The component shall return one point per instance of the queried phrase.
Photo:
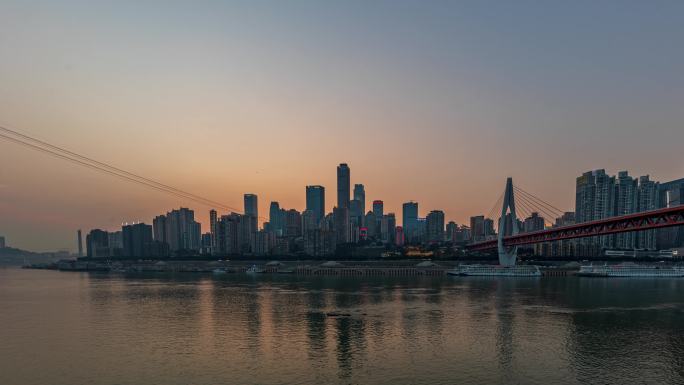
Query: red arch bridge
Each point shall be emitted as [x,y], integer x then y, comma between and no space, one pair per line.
[646,220]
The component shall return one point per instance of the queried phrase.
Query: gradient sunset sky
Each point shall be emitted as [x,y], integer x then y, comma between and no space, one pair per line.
[432,101]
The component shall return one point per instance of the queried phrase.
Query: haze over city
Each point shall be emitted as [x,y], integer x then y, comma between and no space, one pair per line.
[436,103]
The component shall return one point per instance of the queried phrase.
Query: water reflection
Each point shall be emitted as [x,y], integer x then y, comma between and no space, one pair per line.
[177,329]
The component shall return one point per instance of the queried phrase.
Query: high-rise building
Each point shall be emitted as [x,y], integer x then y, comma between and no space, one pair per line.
[234,234]
[477,231]
[647,199]
[115,243]
[251,205]
[252,210]
[159,228]
[594,200]
[451,231]
[410,221]
[671,194]
[360,195]
[136,240]
[341,225]
[315,202]
[378,208]
[275,218]
[371,225]
[97,244]
[435,226]
[625,198]
[80,243]
[293,223]
[533,223]
[213,220]
[343,185]
[182,232]
[356,213]
[388,225]
[399,236]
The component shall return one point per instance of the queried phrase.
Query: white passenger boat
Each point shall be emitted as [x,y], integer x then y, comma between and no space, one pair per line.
[628,270]
[496,271]
[254,270]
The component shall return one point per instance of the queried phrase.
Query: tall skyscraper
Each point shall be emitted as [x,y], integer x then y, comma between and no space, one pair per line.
[388,224]
[275,218]
[533,223]
[182,232]
[594,200]
[136,239]
[252,210]
[378,208]
[315,202]
[410,220]
[97,244]
[341,225]
[671,194]
[213,220]
[360,195]
[625,203]
[647,199]
[477,228]
[159,229]
[343,185]
[435,226]
[80,243]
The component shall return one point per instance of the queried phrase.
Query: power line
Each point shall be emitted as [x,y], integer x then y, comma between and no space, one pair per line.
[109,166]
[58,152]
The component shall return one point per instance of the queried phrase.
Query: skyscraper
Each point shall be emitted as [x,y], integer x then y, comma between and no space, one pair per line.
[275,218]
[252,210]
[343,185]
[533,223]
[594,200]
[477,232]
[80,243]
[410,220]
[97,243]
[435,226]
[360,195]
[671,194]
[315,202]
[647,199]
[182,232]
[213,219]
[378,208]
[625,203]
[159,229]
[341,224]
[136,239]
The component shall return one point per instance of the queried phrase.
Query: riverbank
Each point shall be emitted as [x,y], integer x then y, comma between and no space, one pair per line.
[307,267]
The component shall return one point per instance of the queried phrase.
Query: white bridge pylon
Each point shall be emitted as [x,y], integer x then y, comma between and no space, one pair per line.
[507,256]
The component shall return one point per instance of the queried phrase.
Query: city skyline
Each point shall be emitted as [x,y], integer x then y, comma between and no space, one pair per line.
[435,103]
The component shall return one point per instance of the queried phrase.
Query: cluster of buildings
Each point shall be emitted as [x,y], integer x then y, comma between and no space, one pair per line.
[600,196]
[2,242]
[349,226]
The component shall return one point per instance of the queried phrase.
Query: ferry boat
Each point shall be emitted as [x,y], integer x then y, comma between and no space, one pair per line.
[497,271]
[628,270]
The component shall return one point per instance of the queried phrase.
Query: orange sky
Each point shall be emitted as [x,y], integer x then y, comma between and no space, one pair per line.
[436,103]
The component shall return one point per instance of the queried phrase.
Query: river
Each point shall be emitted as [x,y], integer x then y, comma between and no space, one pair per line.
[91,328]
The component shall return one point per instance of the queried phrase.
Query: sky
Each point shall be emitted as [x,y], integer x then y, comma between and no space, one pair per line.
[432,101]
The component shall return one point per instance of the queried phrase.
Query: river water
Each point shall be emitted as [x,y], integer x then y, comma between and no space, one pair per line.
[88,328]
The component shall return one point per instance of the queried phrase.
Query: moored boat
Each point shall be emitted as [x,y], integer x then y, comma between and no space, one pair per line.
[628,270]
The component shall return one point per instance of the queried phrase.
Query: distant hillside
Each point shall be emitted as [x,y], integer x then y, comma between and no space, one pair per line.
[10,256]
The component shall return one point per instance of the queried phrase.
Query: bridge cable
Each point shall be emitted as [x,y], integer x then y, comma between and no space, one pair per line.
[70,156]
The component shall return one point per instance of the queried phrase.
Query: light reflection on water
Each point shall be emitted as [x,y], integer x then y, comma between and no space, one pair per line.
[69,328]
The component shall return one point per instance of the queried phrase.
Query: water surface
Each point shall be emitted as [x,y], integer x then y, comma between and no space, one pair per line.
[86,328]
